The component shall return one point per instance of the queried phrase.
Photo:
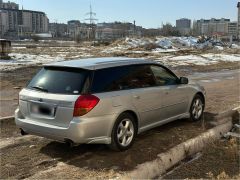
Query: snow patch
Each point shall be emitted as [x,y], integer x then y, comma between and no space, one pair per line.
[19,60]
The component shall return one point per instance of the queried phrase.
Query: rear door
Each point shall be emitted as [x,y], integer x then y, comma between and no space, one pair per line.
[50,96]
[135,85]
[145,95]
[173,95]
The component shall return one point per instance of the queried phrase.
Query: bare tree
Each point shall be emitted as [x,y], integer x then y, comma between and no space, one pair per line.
[169,30]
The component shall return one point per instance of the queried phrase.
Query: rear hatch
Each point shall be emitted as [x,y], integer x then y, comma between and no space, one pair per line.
[50,96]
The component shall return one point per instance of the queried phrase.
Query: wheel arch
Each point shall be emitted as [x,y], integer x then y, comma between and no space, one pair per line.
[202,95]
[134,114]
[193,96]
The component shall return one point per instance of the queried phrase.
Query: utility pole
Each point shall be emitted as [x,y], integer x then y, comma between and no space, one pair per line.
[134,28]
[55,28]
[92,25]
[20,27]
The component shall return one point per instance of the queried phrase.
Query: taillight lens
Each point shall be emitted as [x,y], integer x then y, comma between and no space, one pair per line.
[85,104]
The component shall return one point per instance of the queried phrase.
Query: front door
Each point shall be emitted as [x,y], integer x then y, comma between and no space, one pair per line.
[173,96]
[145,95]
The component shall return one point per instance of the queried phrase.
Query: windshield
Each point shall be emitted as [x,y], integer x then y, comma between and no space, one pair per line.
[59,80]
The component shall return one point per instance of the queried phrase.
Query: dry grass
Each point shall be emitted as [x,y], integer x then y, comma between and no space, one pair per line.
[219,160]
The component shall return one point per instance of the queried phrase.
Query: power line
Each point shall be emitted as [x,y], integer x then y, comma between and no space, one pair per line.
[92,19]
[91,15]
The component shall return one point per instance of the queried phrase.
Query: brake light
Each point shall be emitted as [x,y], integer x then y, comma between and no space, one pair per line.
[84,104]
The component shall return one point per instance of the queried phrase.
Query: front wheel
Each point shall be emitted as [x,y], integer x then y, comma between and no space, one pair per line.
[197,107]
[124,132]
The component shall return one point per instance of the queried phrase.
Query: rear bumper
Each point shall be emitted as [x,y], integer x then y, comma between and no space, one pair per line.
[95,130]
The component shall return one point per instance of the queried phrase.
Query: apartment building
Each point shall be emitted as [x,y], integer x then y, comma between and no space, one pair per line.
[73,28]
[238,6]
[32,22]
[116,30]
[22,22]
[3,23]
[183,25]
[233,29]
[8,5]
[58,30]
[212,26]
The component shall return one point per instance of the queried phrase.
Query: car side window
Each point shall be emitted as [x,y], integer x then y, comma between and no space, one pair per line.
[141,76]
[163,76]
[122,78]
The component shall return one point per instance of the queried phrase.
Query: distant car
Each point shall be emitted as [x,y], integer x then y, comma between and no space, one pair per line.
[105,100]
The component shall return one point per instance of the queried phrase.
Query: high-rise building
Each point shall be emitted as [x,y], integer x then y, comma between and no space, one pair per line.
[3,22]
[8,5]
[233,29]
[212,26]
[238,6]
[73,28]
[22,22]
[33,21]
[183,26]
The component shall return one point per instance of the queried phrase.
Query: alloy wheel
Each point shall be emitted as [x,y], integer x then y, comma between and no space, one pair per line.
[197,108]
[125,132]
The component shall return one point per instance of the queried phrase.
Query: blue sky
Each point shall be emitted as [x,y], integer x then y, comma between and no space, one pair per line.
[148,13]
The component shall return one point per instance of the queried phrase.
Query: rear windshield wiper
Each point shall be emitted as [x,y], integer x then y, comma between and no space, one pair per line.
[39,88]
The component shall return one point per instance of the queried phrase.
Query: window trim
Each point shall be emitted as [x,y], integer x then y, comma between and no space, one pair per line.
[168,70]
[147,64]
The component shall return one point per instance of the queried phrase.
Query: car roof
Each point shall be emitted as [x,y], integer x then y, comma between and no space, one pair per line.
[101,63]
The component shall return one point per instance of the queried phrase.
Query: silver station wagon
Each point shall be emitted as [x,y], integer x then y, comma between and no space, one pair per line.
[105,100]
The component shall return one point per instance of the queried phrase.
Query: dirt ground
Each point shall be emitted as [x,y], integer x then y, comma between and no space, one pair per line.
[39,154]
[11,83]
[35,157]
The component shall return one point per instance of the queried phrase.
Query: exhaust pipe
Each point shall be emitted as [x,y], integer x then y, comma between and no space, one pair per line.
[23,133]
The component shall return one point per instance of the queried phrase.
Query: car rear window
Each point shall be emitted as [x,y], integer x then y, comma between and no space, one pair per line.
[59,80]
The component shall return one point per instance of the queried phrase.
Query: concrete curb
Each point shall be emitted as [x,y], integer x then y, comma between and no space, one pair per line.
[167,160]
[225,114]
[7,118]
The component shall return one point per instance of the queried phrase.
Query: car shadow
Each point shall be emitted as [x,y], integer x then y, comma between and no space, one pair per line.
[145,148]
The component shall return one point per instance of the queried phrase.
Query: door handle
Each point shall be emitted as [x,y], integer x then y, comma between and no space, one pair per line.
[136,97]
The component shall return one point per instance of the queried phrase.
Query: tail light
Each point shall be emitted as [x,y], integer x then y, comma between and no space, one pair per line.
[84,104]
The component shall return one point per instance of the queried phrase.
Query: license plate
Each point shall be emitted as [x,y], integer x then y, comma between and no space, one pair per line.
[44,110]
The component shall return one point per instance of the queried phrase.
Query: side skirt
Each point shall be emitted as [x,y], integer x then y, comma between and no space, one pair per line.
[165,121]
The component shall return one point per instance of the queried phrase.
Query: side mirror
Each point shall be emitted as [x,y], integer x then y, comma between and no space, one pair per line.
[183,80]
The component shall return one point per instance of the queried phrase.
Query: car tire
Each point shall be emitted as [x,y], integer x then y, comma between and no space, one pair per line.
[123,133]
[197,108]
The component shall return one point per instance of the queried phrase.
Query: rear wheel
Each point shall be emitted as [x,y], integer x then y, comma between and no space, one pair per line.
[197,107]
[124,132]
